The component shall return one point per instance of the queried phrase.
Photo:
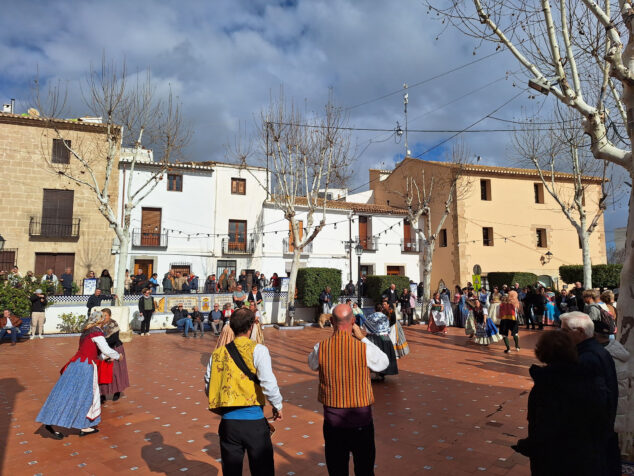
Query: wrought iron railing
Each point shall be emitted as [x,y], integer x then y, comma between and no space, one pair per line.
[289,247]
[149,239]
[410,246]
[239,247]
[44,227]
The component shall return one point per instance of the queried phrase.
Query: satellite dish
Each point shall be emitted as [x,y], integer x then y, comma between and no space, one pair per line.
[33,112]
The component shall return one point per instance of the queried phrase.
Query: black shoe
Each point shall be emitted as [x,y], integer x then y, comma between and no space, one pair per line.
[507,351]
[55,434]
[103,399]
[116,396]
[84,433]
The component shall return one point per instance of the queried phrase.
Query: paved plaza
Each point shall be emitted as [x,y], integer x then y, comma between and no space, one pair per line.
[454,409]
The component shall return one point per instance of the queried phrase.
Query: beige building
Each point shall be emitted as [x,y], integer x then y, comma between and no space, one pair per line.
[47,220]
[503,219]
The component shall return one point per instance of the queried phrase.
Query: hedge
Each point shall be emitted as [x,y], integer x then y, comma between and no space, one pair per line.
[312,281]
[15,295]
[499,278]
[603,275]
[376,285]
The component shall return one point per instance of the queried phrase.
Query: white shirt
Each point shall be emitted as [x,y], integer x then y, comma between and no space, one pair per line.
[9,324]
[264,371]
[105,349]
[53,279]
[374,357]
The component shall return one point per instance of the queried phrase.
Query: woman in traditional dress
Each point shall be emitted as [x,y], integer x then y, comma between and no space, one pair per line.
[515,301]
[494,305]
[226,335]
[457,306]
[256,334]
[470,323]
[120,379]
[508,323]
[437,321]
[74,400]
[549,317]
[486,331]
[447,310]
[378,326]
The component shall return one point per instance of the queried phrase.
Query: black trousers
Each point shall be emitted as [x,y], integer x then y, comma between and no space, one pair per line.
[252,436]
[145,325]
[340,442]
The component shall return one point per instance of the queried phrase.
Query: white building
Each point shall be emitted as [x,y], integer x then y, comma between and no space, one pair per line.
[200,219]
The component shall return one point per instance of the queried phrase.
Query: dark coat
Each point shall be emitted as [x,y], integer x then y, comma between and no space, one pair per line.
[38,304]
[392,296]
[141,308]
[565,417]
[15,321]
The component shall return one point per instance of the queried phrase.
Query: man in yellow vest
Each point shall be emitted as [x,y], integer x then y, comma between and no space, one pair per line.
[344,362]
[239,376]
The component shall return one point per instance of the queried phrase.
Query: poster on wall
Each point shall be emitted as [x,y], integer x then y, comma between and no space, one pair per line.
[413,288]
[222,299]
[284,285]
[90,284]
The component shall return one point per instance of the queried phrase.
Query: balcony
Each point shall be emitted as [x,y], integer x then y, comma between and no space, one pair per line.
[410,246]
[148,239]
[288,247]
[369,243]
[54,228]
[240,247]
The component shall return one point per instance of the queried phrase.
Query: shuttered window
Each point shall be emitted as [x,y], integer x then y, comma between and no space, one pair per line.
[150,226]
[174,183]
[57,212]
[57,261]
[61,154]
[238,186]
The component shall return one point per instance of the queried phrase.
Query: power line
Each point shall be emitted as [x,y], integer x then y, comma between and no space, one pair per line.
[458,68]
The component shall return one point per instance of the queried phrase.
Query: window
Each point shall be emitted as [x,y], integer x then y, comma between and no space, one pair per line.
[174,183]
[442,238]
[151,226]
[485,189]
[229,265]
[487,236]
[238,186]
[539,192]
[542,241]
[61,153]
[237,235]
[8,259]
[57,213]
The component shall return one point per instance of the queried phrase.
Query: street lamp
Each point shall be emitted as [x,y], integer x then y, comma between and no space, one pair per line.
[2,242]
[359,251]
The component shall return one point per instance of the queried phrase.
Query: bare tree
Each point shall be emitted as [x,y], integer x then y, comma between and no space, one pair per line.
[573,50]
[132,116]
[431,193]
[561,149]
[307,155]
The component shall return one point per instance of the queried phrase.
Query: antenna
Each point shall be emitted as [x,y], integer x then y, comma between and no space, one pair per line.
[405,101]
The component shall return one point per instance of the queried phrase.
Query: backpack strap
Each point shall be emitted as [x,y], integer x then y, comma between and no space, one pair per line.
[239,361]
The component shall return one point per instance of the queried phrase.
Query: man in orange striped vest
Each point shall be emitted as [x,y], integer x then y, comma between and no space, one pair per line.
[344,362]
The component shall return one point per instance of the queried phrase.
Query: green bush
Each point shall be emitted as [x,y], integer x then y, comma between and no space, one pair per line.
[603,275]
[312,281]
[498,278]
[376,285]
[71,323]
[15,295]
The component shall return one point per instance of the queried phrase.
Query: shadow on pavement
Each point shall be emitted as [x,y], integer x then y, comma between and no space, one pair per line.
[170,460]
[9,389]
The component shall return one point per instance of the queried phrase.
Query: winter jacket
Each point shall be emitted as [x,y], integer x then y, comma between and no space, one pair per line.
[565,421]
[625,378]
[167,284]
[105,284]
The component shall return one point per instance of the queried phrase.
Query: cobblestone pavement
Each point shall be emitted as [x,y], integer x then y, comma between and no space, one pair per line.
[454,409]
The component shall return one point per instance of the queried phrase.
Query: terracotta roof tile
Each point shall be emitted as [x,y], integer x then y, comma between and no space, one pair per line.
[369,208]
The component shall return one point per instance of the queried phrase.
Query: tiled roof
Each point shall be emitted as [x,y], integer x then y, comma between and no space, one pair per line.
[207,165]
[490,169]
[369,208]
[73,124]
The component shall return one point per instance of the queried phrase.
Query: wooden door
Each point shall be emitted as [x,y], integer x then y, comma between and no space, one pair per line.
[291,241]
[58,261]
[408,243]
[7,260]
[150,226]
[363,232]
[57,213]
[237,235]
[145,265]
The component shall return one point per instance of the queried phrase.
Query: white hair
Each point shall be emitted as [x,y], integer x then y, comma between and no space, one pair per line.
[578,320]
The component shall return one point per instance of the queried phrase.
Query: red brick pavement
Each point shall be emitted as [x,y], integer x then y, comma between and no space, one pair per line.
[453,409]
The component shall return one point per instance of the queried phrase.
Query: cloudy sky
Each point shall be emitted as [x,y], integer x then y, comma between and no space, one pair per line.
[225,58]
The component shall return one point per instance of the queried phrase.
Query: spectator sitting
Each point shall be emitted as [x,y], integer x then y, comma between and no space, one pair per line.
[239,297]
[215,319]
[182,318]
[10,324]
[197,321]
[226,313]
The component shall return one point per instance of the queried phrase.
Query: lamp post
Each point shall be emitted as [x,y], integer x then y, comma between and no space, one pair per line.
[359,250]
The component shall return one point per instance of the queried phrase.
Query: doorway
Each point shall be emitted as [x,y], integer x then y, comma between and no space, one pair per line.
[58,261]
[145,265]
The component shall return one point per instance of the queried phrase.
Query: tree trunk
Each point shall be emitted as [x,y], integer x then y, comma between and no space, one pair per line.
[119,277]
[292,285]
[428,253]
[584,236]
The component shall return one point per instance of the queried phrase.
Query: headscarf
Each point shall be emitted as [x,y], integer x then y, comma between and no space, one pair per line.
[110,327]
[92,321]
